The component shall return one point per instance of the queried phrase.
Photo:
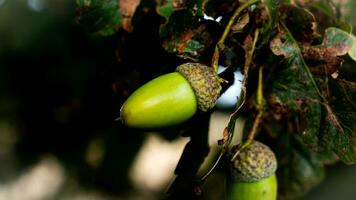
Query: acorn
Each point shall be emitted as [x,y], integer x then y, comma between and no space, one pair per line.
[172,98]
[252,174]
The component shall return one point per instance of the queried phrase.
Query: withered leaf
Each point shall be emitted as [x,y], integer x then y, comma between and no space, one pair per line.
[340,126]
[300,22]
[336,43]
[295,86]
[128,8]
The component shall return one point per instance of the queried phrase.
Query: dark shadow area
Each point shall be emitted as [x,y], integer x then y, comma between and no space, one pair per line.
[61,90]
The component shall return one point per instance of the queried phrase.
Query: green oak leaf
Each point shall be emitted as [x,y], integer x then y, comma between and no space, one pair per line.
[301,23]
[350,14]
[292,87]
[183,33]
[326,16]
[101,17]
[339,132]
[272,9]
[337,41]
[299,169]
[192,47]
[179,17]
[188,43]
[324,58]
[166,7]
[295,88]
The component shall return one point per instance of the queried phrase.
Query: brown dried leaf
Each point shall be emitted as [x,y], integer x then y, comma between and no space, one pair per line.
[188,43]
[336,43]
[128,8]
[300,22]
[328,62]
[248,46]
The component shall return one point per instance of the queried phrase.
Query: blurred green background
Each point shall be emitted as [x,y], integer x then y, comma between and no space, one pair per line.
[60,93]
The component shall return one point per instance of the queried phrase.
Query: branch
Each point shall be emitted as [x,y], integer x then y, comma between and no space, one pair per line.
[261,106]
[220,43]
[229,130]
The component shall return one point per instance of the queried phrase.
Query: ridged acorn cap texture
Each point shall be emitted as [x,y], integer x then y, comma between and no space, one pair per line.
[204,81]
[255,162]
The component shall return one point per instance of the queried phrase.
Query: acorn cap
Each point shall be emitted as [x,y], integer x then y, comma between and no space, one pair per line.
[204,81]
[254,163]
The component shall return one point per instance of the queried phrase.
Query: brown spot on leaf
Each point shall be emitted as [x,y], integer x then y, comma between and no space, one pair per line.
[248,43]
[247,46]
[277,108]
[184,40]
[321,60]
[225,137]
[331,117]
[179,4]
[179,43]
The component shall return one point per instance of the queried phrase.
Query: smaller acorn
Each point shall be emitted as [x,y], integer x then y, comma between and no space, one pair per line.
[172,98]
[252,174]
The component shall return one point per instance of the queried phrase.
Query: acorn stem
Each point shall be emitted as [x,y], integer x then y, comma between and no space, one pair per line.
[261,105]
[260,99]
[229,130]
[220,43]
[236,114]
[240,148]
[248,56]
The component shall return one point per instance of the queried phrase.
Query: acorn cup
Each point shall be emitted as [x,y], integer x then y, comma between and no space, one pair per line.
[252,174]
[172,98]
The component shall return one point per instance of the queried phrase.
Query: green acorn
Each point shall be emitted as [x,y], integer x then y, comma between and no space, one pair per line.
[252,174]
[172,98]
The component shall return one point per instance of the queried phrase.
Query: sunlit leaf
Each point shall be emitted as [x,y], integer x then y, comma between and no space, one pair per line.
[352,52]
[337,41]
[324,58]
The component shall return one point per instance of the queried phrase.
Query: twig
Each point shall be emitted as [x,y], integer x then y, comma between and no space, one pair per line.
[261,105]
[220,43]
[240,148]
[248,58]
[236,114]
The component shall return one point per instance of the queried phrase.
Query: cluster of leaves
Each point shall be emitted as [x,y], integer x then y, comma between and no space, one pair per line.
[305,50]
